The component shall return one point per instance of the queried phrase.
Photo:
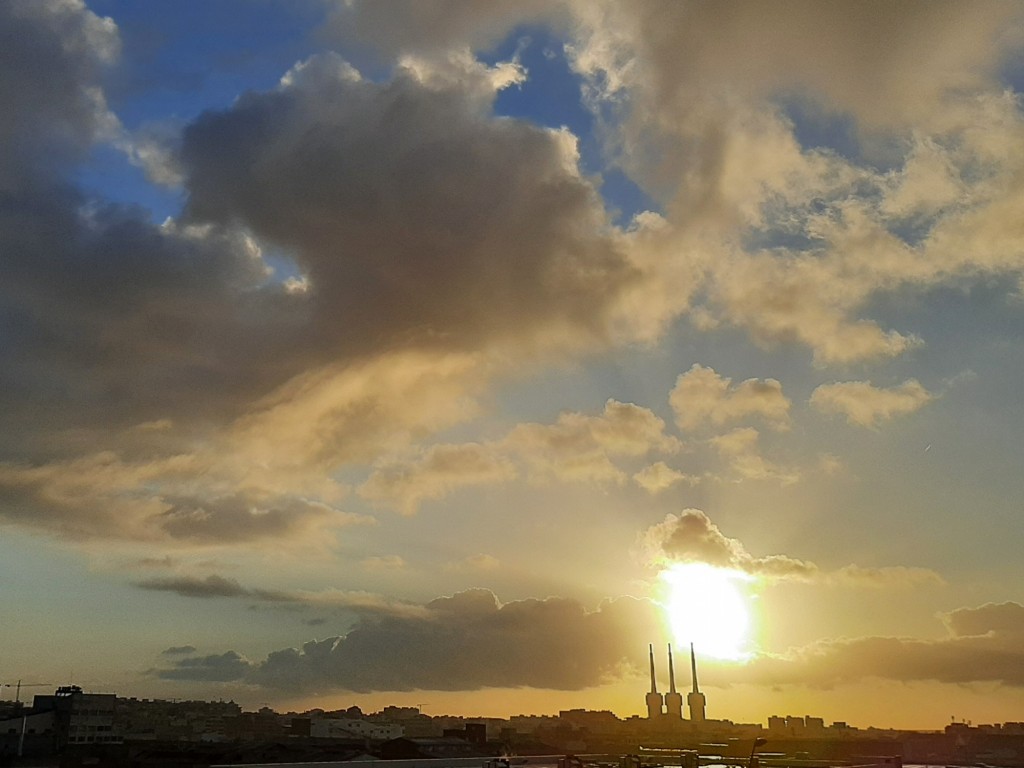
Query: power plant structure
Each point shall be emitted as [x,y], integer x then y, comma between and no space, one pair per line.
[654,700]
[695,699]
[673,699]
[671,704]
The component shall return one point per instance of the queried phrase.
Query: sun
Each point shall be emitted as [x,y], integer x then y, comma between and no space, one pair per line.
[707,607]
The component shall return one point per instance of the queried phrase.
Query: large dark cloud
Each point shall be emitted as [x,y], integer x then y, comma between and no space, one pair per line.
[470,641]
[104,316]
[51,55]
[985,646]
[465,642]
[215,668]
[416,215]
[142,362]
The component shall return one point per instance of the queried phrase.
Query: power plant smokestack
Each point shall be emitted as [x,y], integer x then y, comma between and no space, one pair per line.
[673,700]
[654,700]
[695,699]
[693,670]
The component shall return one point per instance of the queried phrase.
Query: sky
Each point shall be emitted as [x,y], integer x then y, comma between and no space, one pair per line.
[447,354]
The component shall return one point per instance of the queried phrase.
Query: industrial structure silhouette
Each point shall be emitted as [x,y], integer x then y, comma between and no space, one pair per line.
[671,704]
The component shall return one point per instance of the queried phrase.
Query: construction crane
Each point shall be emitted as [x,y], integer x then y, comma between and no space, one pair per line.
[19,685]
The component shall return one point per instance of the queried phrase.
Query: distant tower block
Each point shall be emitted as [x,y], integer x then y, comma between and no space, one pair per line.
[673,700]
[654,701]
[695,699]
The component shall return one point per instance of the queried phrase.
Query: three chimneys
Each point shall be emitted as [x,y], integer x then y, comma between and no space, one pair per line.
[672,702]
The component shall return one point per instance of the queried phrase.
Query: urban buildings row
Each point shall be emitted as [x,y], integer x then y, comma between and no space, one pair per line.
[72,719]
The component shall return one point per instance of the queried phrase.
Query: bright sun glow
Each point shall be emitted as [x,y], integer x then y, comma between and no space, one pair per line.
[707,607]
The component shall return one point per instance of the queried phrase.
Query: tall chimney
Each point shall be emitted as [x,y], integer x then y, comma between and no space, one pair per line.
[654,684]
[654,700]
[673,700]
[695,699]
[693,669]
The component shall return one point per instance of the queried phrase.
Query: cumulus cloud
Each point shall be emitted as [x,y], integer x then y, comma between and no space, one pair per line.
[464,642]
[865,405]
[986,648]
[739,447]
[658,477]
[470,640]
[1006,619]
[697,101]
[702,395]
[691,536]
[580,447]
[404,213]
[212,398]
[577,447]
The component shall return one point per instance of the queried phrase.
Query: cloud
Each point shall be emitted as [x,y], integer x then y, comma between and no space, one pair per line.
[99,496]
[796,239]
[658,477]
[691,536]
[866,405]
[212,586]
[580,447]
[464,642]
[984,647]
[191,586]
[54,56]
[379,211]
[702,395]
[441,469]
[178,650]
[470,641]
[214,399]
[1005,619]
[739,448]
[216,668]
[888,577]
[577,447]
